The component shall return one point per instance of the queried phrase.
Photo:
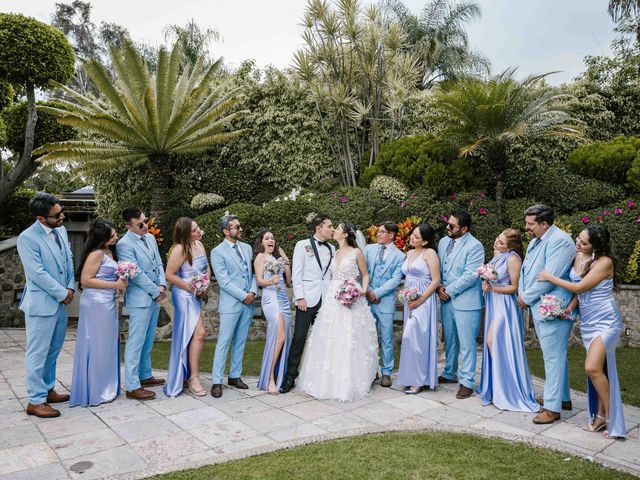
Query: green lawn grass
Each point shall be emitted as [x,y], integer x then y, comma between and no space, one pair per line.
[627,361]
[432,455]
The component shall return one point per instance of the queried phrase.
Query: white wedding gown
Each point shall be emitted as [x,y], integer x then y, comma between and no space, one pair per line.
[341,355]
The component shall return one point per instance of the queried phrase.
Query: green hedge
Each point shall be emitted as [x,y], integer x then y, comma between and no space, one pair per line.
[14,215]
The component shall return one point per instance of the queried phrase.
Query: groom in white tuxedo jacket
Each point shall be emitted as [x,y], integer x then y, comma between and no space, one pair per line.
[311,276]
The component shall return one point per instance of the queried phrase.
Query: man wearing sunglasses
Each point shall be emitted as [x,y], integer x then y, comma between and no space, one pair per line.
[48,266]
[461,301]
[232,266]
[142,299]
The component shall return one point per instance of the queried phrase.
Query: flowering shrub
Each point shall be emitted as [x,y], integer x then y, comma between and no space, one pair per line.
[206,201]
[390,188]
[154,230]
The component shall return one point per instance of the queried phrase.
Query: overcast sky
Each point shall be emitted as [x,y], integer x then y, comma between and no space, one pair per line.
[537,36]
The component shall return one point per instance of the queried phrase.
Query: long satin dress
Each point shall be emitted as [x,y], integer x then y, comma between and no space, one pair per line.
[186,312]
[96,363]
[600,317]
[275,303]
[505,380]
[419,349]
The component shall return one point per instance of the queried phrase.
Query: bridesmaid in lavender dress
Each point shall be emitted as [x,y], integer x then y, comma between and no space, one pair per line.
[592,280]
[187,259]
[276,309]
[418,352]
[505,380]
[96,363]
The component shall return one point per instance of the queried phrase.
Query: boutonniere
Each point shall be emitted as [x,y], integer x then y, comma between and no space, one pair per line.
[308,250]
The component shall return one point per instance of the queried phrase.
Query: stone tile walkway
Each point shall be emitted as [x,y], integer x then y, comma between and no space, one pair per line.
[131,439]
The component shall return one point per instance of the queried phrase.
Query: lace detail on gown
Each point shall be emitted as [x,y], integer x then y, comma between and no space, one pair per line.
[341,355]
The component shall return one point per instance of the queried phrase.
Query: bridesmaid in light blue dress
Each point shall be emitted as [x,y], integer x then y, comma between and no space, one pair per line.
[96,363]
[592,280]
[276,309]
[505,379]
[187,259]
[419,350]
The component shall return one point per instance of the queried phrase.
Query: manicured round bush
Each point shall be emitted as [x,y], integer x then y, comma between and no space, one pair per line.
[206,201]
[389,187]
[33,52]
[48,130]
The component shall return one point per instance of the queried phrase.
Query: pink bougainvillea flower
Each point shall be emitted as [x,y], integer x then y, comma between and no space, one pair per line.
[618,211]
[344,200]
[482,211]
[444,218]
[454,195]
[482,195]
[585,219]
[604,212]
[413,195]
[471,203]
[290,236]
[630,204]
[638,219]
[599,219]
[403,204]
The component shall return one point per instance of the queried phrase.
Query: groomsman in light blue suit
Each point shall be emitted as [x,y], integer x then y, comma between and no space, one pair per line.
[384,262]
[232,266]
[143,296]
[553,250]
[48,266]
[461,300]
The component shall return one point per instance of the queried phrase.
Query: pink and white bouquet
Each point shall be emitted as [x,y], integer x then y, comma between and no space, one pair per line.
[551,307]
[126,270]
[487,273]
[348,293]
[407,295]
[199,282]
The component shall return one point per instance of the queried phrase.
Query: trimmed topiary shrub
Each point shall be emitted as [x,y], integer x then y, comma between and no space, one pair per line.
[608,161]
[389,187]
[202,202]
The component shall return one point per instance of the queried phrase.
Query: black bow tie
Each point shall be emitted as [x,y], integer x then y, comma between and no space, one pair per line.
[323,243]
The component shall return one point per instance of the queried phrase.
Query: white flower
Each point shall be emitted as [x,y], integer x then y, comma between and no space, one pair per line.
[310,217]
[206,200]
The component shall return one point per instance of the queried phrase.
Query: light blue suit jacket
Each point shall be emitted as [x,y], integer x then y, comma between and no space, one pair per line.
[235,279]
[145,286]
[48,270]
[459,271]
[383,279]
[555,253]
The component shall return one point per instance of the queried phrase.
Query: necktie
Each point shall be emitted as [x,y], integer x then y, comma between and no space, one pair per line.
[534,244]
[57,238]
[452,244]
[235,247]
[144,240]
[381,252]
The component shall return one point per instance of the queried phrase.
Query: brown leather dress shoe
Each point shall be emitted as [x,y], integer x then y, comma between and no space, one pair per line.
[442,379]
[43,410]
[464,392]
[216,390]
[141,394]
[55,397]
[565,405]
[238,383]
[546,416]
[152,382]
[385,381]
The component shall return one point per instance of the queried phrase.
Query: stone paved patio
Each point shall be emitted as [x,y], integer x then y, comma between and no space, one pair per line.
[131,439]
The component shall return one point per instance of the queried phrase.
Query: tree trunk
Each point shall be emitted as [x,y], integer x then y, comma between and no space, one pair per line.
[27,165]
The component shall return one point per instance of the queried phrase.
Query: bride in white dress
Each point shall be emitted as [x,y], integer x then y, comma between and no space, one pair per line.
[341,355]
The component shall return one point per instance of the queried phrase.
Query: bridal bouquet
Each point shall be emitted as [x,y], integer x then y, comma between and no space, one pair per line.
[126,270]
[275,266]
[348,293]
[199,282]
[407,295]
[487,273]
[551,307]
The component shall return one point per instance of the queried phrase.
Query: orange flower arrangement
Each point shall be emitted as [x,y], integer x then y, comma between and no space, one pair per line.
[154,230]
[404,230]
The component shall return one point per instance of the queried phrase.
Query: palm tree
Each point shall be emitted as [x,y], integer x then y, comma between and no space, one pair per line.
[143,118]
[439,38]
[486,117]
[620,10]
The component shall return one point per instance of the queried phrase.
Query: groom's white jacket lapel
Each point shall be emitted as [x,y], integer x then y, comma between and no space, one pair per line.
[308,278]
